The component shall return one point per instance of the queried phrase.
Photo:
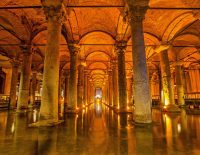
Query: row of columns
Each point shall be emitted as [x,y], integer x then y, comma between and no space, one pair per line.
[49,103]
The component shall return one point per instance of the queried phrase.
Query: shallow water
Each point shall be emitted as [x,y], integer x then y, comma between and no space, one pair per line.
[99,131]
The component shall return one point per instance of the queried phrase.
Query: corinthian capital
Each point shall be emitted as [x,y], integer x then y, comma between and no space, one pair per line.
[53,9]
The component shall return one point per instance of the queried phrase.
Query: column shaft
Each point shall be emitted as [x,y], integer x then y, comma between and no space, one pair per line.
[49,103]
[142,97]
[66,96]
[122,79]
[14,80]
[180,85]
[33,88]
[166,79]
[129,90]
[23,97]
[85,89]
[110,88]
[115,85]
[80,85]
[73,80]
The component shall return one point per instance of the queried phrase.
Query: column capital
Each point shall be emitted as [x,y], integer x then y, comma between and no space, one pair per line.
[82,62]
[15,62]
[162,47]
[177,63]
[137,13]
[74,48]
[26,49]
[53,9]
[120,46]
[113,63]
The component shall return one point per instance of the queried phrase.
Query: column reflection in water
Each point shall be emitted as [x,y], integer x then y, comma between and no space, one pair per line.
[172,135]
[98,130]
[19,138]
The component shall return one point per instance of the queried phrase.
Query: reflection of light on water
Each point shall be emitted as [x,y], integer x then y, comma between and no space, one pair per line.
[34,116]
[118,121]
[168,124]
[179,127]
[13,127]
[98,107]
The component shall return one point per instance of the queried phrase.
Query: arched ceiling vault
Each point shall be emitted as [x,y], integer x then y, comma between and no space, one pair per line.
[97,29]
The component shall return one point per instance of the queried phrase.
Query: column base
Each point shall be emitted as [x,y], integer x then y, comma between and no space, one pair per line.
[122,110]
[171,108]
[46,123]
[142,119]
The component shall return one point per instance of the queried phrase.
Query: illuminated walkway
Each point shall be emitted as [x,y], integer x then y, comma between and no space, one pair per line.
[98,131]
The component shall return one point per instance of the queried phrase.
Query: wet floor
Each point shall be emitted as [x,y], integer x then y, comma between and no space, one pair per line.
[99,131]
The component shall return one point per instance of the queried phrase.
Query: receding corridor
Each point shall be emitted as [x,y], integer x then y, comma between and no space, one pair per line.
[99,131]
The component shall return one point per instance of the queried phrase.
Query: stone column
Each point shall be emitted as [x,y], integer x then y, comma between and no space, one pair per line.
[66,96]
[80,86]
[14,80]
[167,87]
[60,84]
[33,88]
[85,87]
[49,103]
[122,76]
[72,106]
[180,85]
[142,99]
[110,88]
[188,82]
[115,84]
[23,97]
[130,90]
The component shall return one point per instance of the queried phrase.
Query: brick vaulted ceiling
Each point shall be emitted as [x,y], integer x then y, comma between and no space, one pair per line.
[98,28]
